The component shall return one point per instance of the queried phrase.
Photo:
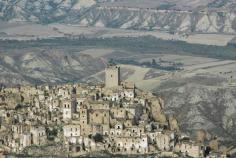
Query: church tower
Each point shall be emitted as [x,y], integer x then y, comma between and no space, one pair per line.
[112,74]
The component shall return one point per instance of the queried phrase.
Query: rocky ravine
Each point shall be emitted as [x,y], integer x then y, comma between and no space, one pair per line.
[212,16]
[203,107]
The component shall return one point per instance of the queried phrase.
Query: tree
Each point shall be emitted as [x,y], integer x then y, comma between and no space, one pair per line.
[154,63]
[112,62]
[74,90]
[98,137]
[18,106]
[22,99]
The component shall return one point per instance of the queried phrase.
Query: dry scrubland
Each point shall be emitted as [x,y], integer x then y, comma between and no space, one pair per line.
[192,66]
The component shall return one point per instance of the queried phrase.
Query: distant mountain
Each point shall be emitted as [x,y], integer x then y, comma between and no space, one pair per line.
[43,11]
[184,16]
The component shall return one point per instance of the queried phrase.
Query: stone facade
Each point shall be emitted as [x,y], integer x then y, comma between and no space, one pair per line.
[38,135]
[112,76]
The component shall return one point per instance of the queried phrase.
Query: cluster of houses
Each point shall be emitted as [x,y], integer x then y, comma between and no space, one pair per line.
[115,117]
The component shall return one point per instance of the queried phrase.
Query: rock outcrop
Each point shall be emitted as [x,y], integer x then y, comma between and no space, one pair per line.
[204,107]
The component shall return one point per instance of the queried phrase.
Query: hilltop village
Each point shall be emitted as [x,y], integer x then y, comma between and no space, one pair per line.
[116,117]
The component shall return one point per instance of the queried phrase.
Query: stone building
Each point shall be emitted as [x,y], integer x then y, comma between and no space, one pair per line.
[38,135]
[67,109]
[165,141]
[189,148]
[112,76]
[25,140]
[64,93]
[97,116]
[131,145]
[85,128]
[71,130]
[71,133]
[17,130]
[118,113]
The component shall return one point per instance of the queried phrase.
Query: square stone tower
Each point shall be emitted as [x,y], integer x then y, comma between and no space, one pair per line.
[112,74]
[67,110]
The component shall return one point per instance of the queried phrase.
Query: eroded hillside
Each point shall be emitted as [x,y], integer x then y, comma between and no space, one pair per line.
[202,106]
[47,66]
[185,16]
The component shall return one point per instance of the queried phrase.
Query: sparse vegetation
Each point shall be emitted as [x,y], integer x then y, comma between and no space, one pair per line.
[217,3]
[149,64]
[98,138]
[146,44]
[165,6]
[234,24]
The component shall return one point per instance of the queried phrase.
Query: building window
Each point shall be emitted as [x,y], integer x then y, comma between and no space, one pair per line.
[77,149]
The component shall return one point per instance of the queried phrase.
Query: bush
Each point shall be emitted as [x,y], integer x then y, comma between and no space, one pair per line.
[98,138]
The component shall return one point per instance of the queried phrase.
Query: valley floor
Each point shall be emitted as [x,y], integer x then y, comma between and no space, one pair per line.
[29,31]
